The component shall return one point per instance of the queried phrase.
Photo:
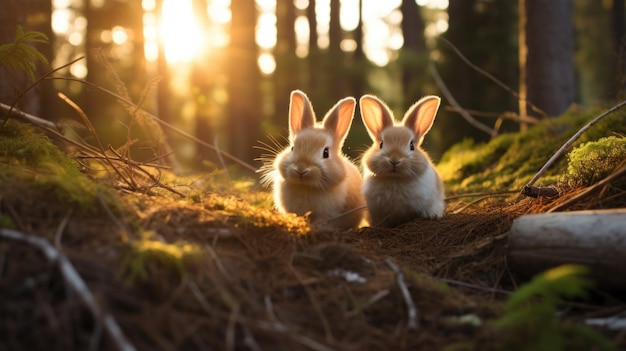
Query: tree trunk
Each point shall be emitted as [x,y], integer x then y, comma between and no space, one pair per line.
[596,239]
[359,60]
[201,78]
[522,54]
[163,89]
[336,80]
[550,60]
[313,57]
[286,77]
[244,117]
[618,24]
[414,45]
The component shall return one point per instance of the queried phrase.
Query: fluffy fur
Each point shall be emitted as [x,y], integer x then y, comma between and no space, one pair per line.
[400,182]
[312,176]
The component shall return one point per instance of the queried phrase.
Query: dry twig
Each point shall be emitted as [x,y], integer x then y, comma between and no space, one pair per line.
[529,189]
[11,110]
[603,182]
[444,89]
[31,118]
[493,79]
[411,310]
[162,122]
[73,279]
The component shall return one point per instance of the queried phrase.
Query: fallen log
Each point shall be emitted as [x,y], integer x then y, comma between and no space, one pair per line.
[596,239]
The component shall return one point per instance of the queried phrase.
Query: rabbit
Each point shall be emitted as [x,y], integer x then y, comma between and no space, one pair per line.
[400,182]
[312,176]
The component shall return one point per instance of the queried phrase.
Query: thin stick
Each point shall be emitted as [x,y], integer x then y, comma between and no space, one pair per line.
[412,311]
[157,182]
[59,232]
[490,77]
[500,193]
[486,197]
[45,76]
[528,188]
[220,158]
[92,130]
[162,122]
[73,279]
[340,215]
[453,102]
[274,326]
[601,183]
[504,115]
[473,286]
[325,324]
[27,117]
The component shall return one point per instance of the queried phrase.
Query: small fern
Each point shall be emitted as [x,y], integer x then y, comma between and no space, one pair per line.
[19,56]
[531,318]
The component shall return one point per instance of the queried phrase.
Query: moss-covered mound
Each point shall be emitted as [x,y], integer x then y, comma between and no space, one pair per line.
[35,174]
[509,161]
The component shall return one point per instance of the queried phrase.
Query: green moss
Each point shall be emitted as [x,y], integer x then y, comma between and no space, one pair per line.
[31,164]
[531,321]
[595,160]
[510,160]
[241,213]
[149,255]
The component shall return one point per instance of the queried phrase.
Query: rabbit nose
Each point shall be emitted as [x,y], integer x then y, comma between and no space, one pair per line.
[302,171]
[394,163]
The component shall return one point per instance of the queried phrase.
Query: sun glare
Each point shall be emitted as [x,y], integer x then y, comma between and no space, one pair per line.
[181,33]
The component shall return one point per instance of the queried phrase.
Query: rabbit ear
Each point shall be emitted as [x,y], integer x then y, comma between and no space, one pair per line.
[421,115]
[339,118]
[301,114]
[376,115]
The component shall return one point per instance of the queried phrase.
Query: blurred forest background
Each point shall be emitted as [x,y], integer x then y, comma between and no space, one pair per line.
[222,70]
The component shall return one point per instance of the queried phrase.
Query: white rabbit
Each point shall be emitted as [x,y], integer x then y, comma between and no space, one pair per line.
[400,182]
[312,175]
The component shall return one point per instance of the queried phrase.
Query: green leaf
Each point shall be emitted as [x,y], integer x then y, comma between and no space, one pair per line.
[20,56]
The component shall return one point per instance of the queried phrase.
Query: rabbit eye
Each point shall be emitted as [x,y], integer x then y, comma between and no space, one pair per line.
[412,146]
[325,153]
[381,144]
[292,148]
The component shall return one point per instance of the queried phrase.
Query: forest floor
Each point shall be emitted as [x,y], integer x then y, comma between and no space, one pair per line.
[203,262]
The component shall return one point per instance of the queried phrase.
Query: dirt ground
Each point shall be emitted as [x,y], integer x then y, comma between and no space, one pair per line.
[255,285]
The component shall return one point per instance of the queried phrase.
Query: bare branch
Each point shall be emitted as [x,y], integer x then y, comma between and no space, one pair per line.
[412,311]
[73,279]
[10,110]
[163,123]
[528,188]
[453,102]
[587,191]
[490,77]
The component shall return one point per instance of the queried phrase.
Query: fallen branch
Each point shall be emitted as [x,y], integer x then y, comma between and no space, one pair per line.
[595,238]
[73,279]
[15,112]
[412,311]
[529,189]
[590,189]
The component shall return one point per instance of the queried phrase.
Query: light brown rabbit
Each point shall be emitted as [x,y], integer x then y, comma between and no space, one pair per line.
[312,175]
[400,182]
